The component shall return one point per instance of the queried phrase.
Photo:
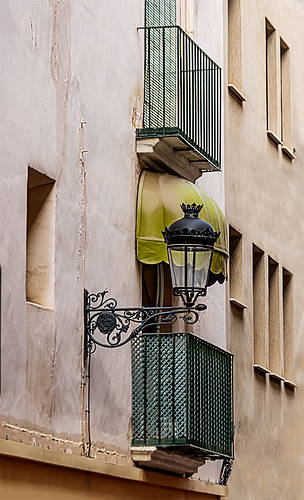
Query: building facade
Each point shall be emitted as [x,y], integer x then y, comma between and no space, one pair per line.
[264,140]
[77,131]
[113,115]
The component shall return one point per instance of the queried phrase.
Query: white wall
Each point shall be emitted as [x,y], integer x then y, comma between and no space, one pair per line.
[63,63]
[209,35]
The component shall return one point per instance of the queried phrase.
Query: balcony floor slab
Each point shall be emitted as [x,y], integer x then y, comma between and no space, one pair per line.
[172,155]
[176,462]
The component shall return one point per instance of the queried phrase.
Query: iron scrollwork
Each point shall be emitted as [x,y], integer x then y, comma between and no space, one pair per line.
[107,325]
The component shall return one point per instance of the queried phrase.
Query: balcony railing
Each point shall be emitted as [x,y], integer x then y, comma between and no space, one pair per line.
[182,394]
[182,94]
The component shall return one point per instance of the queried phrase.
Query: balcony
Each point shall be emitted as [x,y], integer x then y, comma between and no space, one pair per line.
[182,105]
[182,402]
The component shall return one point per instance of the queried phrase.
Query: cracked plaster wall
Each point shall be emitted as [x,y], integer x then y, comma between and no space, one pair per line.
[66,62]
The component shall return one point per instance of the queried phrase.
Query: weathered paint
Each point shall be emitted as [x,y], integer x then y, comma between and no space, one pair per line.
[264,202]
[30,472]
[71,98]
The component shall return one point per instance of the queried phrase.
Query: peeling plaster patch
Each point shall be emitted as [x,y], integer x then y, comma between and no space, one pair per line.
[110,456]
[41,337]
[53,372]
[16,433]
[34,35]
[81,255]
[136,112]
[60,68]
[136,107]
[136,116]
[110,453]
[34,434]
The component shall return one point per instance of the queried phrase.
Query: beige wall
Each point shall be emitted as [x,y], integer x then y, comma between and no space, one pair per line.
[35,481]
[264,202]
[71,99]
[59,67]
[33,473]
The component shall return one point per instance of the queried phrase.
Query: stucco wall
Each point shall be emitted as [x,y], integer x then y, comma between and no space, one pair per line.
[264,202]
[61,63]
[209,34]
[71,99]
[29,472]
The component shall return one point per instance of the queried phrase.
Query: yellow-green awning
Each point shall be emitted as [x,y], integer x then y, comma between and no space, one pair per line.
[158,205]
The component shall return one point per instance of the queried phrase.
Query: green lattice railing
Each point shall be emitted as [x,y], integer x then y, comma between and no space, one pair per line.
[160,13]
[182,94]
[182,393]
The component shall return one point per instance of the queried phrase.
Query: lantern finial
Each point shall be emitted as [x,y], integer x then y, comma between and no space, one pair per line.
[191,210]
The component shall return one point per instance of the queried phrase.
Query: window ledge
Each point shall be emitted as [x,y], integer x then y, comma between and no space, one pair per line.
[236,93]
[291,384]
[261,369]
[274,137]
[277,377]
[40,306]
[238,303]
[288,153]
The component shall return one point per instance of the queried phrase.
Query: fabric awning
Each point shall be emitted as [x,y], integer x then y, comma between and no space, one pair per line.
[158,205]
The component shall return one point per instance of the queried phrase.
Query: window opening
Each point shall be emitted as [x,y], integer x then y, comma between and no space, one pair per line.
[288,325]
[259,307]
[235,48]
[285,101]
[236,265]
[271,80]
[40,241]
[274,317]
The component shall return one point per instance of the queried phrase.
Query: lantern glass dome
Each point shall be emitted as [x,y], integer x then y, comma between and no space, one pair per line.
[189,266]
[190,242]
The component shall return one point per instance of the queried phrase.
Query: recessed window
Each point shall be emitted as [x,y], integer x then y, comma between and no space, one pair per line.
[236,267]
[288,325]
[274,317]
[285,94]
[40,243]
[271,83]
[235,49]
[259,308]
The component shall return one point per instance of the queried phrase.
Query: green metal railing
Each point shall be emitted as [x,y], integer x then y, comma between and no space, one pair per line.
[182,393]
[160,12]
[182,95]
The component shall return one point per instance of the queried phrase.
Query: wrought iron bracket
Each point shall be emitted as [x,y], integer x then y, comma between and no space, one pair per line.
[226,471]
[106,325]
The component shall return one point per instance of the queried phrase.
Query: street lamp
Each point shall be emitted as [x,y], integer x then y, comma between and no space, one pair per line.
[190,242]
